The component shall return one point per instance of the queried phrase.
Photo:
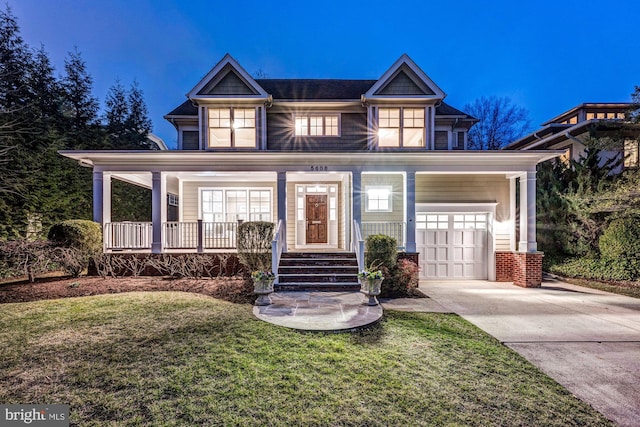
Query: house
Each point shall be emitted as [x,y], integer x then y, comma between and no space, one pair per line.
[330,162]
[572,130]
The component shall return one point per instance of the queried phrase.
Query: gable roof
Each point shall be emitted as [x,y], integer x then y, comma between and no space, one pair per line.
[404,79]
[227,79]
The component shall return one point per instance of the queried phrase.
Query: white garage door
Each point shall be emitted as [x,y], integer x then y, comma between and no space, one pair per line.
[451,245]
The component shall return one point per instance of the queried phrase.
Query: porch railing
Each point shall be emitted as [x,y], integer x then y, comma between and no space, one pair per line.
[277,245]
[199,235]
[357,244]
[127,235]
[392,229]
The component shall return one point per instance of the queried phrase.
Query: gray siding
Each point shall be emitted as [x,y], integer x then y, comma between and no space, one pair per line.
[190,140]
[442,140]
[280,134]
[402,85]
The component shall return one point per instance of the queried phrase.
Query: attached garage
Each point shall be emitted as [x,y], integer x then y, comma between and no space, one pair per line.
[454,245]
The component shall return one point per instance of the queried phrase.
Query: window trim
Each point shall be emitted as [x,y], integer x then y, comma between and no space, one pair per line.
[232,128]
[401,127]
[224,190]
[324,116]
[367,188]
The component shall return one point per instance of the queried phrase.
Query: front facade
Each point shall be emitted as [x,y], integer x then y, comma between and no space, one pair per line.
[330,162]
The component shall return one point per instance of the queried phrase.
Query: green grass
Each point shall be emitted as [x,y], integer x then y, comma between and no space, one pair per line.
[172,358]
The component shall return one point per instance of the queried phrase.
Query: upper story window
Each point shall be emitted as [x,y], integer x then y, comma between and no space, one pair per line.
[401,127]
[317,125]
[232,127]
[605,115]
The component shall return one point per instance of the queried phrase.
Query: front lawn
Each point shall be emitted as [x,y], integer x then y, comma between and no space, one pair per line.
[171,358]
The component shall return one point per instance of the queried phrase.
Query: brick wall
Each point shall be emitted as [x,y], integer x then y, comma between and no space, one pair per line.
[522,268]
[504,266]
[527,271]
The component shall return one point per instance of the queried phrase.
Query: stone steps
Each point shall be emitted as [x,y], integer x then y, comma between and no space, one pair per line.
[318,271]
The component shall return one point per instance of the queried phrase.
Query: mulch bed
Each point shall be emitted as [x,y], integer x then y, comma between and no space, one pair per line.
[232,289]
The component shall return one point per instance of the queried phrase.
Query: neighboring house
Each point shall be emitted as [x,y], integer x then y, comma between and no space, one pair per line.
[570,131]
[330,162]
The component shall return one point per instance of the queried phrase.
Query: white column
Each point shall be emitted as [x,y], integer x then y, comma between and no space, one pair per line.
[410,244]
[512,214]
[101,197]
[356,195]
[98,196]
[528,213]
[282,204]
[158,209]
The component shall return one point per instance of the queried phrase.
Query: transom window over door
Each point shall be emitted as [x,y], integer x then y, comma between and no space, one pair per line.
[232,127]
[316,125]
[401,127]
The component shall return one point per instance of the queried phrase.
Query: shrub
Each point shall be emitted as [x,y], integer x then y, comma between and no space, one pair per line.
[381,250]
[78,233]
[78,240]
[24,258]
[402,280]
[254,245]
[620,244]
[592,268]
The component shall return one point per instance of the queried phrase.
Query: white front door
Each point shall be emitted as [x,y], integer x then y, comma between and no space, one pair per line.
[452,246]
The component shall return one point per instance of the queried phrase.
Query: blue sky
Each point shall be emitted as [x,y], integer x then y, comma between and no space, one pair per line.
[546,56]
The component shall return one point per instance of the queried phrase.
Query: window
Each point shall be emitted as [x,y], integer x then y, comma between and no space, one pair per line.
[630,153]
[396,125]
[378,198]
[227,205]
[316,125]
[458,141]
[232,127]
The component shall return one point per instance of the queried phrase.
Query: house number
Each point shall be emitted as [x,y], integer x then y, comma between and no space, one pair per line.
[317,168]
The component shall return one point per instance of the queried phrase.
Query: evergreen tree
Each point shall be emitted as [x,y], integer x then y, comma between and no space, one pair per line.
[138,121]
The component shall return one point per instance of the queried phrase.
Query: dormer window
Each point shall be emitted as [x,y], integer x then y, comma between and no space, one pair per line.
[232,127]
[401,127]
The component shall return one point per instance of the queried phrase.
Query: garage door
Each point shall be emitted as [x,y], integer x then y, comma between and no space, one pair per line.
[451,245]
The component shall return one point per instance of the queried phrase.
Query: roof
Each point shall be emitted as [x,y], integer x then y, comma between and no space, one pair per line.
[315,89]
[611,106]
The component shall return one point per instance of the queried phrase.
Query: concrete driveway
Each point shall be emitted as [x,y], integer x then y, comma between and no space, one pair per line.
[587,340]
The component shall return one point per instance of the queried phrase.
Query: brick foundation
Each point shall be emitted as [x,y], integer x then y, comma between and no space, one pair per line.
[522,268]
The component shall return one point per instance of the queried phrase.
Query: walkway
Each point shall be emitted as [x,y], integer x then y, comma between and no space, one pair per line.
[587,340]
[318,311]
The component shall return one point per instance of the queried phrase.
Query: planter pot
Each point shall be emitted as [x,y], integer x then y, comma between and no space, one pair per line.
[263,288]
[371,288]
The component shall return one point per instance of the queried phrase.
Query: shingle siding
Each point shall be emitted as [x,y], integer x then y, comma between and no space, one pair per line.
[280,134]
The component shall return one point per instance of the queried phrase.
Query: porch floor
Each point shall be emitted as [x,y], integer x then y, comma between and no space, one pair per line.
[318,311]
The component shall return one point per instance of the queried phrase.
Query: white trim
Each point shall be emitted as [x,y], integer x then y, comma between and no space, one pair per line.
[405,60]
[378,187]
[453,208]
[213,74]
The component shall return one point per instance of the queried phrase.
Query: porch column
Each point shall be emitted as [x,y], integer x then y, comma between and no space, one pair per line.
[282,205]
[410,244]
[356,195]
[528,241]
[512,214]
[101,197]
[158,209]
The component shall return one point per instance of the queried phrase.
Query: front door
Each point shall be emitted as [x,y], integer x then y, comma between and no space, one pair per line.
[316,219]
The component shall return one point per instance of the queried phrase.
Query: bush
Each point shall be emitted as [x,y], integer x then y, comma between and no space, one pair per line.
[401,280]
[381,250]
[254,245]
[592,268]
[78,233]
[24,258]
[82,240]
[620,245]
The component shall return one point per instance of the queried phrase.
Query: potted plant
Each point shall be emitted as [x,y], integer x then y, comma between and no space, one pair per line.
[370,281]
[263,286]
